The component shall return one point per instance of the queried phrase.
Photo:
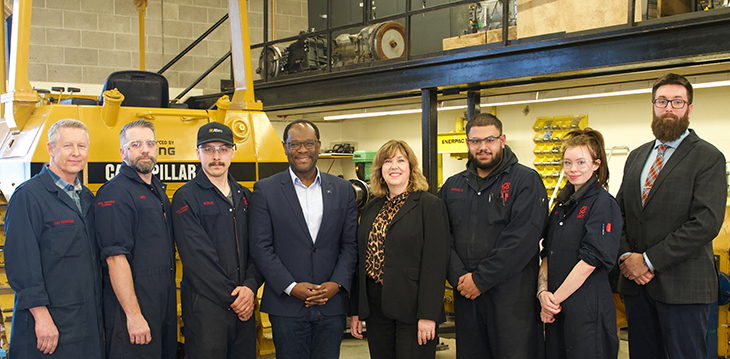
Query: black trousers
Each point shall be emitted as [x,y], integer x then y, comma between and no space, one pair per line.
[501,323]
[160,310]
[586,326]
[391,339]
[659,330]
[213,332]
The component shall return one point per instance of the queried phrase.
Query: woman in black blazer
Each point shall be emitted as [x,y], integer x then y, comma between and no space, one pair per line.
[403,243]
[580,248]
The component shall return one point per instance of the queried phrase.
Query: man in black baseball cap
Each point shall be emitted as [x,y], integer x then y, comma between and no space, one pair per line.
[215,131]
[210,223]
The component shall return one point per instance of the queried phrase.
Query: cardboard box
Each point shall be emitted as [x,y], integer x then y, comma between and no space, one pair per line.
[674,7]
[479,38]
[496,34]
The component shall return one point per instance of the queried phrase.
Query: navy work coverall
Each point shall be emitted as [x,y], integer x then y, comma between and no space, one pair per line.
[496,229]
[131,219]
[212,237]
[52,260]
[584,225]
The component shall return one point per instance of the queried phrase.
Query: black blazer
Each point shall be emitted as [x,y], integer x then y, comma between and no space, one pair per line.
[416,260]
[681,217]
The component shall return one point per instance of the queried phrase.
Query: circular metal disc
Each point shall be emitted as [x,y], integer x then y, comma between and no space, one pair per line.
[390,41]
[273,56]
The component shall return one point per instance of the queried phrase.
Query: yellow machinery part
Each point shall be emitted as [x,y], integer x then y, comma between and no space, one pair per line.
[721,248]
[257,144]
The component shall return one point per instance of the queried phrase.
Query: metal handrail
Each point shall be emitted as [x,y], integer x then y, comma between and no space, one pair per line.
[193,44]
[201,77]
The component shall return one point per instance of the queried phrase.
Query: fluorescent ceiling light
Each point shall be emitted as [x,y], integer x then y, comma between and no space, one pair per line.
[711,84]
[371,114]
[387,113]
[520,102]
[564,98]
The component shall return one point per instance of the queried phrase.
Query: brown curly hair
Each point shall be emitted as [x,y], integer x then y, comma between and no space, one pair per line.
[416,180]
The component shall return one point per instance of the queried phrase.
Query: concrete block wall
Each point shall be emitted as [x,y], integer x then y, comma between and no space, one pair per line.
[83,41]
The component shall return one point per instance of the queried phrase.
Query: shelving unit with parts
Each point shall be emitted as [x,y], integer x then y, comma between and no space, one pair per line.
[549,133]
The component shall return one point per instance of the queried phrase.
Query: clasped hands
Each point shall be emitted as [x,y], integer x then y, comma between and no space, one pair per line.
[243,305]
[633,268]
[315,294]
[467,288]
[549,306]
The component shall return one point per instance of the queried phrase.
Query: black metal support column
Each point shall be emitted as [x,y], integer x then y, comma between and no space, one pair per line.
[429,131]
[408,31]
[473,104]
[632,13]
[329,35]
[505,21]
[265,59]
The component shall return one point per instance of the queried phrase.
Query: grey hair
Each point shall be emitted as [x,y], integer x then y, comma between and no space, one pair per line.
[65,123]
[136,123]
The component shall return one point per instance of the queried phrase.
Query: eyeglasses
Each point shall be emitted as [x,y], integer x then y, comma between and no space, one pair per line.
[211,150]
[138,144]
[308,144]
[676,103]
[476,142]
[578,164]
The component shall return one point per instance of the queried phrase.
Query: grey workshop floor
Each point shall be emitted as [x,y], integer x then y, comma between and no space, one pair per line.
[358,349]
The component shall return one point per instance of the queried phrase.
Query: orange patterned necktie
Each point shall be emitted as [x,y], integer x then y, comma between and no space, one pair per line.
[653,173]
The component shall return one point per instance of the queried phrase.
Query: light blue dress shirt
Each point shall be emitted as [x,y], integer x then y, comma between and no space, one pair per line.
[310,199]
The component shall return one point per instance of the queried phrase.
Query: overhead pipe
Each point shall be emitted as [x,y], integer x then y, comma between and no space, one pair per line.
[141,6]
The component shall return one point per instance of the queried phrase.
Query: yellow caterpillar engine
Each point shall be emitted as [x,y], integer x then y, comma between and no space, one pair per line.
[129,95]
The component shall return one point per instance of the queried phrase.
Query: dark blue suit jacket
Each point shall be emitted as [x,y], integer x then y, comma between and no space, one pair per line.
[283,249]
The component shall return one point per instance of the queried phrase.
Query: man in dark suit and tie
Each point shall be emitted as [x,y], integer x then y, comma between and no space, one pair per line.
[672,198]
[303,226]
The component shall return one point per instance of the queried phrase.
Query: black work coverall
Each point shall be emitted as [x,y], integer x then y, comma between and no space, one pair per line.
[131,219]
[496,230]
[586,226]
[212,237]
[52,260]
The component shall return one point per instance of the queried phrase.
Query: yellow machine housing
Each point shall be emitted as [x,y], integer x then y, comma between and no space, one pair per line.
[721,248]
[27,117]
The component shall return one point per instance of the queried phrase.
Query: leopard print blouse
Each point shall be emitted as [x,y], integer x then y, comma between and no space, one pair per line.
[375,254]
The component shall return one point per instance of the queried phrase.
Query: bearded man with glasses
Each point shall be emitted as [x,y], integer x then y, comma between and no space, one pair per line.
[497,209]
[137,252]
[672,199]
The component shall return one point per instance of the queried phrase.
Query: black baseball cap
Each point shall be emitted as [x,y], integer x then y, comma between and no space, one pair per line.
[215,131]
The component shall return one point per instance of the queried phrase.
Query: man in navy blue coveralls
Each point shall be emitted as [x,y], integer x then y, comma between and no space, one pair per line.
[51,257]
[497,209]
[210,218]
[135,236]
